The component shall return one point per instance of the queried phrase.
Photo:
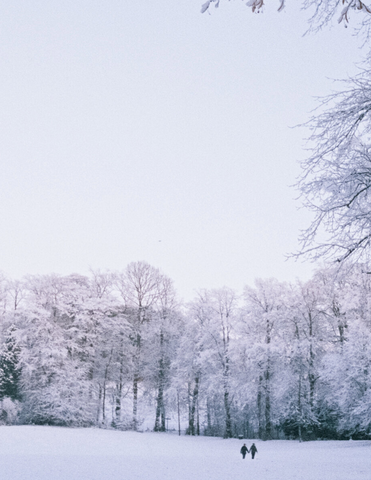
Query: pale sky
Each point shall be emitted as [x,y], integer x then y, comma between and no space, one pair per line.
[144,130]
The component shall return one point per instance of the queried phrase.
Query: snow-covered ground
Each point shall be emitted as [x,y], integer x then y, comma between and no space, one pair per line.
[51,453]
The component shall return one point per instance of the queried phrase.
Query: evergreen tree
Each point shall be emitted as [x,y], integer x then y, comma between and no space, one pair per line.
[10,371]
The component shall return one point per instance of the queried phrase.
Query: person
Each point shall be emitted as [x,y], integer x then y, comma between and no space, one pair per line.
[253,450]
[244,450]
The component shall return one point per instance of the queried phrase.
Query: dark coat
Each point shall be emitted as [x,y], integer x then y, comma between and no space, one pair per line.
[253,448]
[244,450]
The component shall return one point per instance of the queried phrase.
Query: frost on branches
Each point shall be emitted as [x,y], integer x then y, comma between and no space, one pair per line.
[336,179]
[117,350]
[324,10]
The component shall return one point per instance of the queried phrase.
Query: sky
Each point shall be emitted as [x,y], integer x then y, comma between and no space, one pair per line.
[149,131]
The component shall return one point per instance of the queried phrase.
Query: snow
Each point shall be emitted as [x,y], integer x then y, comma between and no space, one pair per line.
[44,453]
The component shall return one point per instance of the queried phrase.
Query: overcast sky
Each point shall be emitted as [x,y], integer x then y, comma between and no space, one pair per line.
[144,130]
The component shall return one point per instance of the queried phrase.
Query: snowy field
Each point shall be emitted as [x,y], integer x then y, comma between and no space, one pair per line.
[51,453]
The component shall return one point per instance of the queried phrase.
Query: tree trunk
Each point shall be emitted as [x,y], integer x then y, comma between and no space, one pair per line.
[118,398]
[160,420]
[135,402]
[188,432]
[194,400]
[178,405]
[136,379]
[267,413]
[227,407]
[198,419]
[104,402]
[99,403]
[311,377]
[208,416]
[228,422]
[300,419]
[259,405]
[105,389]
[160,407]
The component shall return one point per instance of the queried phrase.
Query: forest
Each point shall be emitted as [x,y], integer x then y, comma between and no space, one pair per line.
[120,349]
[278,361]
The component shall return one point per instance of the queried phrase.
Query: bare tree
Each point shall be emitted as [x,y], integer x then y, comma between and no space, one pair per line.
[101,283]
[323,10]
[336,178]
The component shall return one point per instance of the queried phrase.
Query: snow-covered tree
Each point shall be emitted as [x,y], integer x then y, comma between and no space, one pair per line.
[163,346]
[345,381]
[216,313]
[306,339]
[321,11]
[139,287]
[54,380]
[336,179]
[263,314]
[191,366]
[292,361]
[10,370]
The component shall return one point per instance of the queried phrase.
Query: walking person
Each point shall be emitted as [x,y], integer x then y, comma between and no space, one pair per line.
[253,450]
[244,450]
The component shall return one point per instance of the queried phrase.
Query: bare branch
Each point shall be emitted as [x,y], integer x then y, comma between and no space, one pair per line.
[324,10]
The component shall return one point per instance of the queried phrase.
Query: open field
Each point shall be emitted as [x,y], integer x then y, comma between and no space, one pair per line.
[52,453]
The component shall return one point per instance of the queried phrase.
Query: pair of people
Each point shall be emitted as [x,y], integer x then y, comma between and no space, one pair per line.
[253,450]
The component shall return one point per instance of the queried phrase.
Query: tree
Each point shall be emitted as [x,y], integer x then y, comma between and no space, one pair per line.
[139,288]
[216,312]
[305,346]
[56,352]
[163,345]
[191,366]
[345,383]
[324,11]
[336,178]
[10,370]
[263,318]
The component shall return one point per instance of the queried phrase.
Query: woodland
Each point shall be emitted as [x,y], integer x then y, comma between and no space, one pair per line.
[279,361]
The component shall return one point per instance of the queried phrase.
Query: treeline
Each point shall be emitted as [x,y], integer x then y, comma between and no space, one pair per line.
[279,361]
